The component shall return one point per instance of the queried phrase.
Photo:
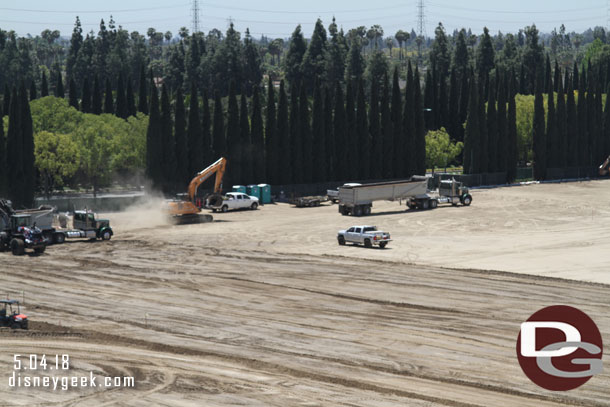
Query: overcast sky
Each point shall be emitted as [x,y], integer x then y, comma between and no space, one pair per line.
[278,18]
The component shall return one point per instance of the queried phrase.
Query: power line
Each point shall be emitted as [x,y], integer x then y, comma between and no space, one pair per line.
[554,11]
[195,12]
[92,11]
[210,5]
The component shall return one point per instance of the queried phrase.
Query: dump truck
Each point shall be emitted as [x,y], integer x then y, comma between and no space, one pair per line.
[358,200]
[449,191]
[17,235]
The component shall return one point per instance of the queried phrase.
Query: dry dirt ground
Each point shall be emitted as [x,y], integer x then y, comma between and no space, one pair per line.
[263,308]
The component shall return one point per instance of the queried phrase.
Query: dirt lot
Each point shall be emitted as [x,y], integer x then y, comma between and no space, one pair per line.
[264,308]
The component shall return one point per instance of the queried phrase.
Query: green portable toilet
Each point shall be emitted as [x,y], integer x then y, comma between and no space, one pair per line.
[265,191]
[254,190]
[239,188]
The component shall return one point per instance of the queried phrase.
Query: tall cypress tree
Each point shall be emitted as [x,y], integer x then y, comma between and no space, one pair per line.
[363,139]
[168,144]
[234,158]
[492,130]
[429,92]
[44,86]
[511,168]
[108,100]
[258,164]
[59,88]
[598,143]
[328,134]
[583,128]
[33,92]
[376,165]
[606,124]
[96,99]
[548,82]
[219,143]
[340,138]
[317,130]
[245,141]
[305,134]
[207,152]
[501,155]
[471,135]
[538,131]
[271,162]
[464,95]
[396,113]
[453,116]
[3,157]
[573,133]
[72,94]
[143,92]
[85,104]
[154,153]
[562,128]
[27,137]
[7,99]
[420,130]
[196,160]
[121,99]
[283,135]
[14,152]
[386,131]
[483,154]
[351,135]
[297,143]
[181,172]
[131,101]
[557,77]
[551,131]
[575,77]
[408,164]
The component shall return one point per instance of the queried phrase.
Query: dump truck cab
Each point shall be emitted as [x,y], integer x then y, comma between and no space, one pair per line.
[93,228]
[11,316]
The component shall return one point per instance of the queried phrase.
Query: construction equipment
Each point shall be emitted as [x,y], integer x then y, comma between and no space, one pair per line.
[603,169]
[186,210]
[18,235]
[357,200]
[12,317]
[449,191]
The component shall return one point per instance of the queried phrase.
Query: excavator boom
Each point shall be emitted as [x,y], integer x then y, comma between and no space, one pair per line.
[217,168]
[603,169]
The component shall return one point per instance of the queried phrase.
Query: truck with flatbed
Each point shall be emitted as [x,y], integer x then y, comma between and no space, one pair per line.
[368,236]
[308,201]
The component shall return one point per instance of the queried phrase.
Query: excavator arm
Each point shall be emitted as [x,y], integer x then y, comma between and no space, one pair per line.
[603,169]
[217,168]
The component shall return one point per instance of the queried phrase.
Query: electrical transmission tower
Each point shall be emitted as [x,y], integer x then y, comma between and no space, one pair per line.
[421,29]
[195,16]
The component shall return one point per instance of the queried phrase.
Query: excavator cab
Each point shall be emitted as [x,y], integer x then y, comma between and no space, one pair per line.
[603,169]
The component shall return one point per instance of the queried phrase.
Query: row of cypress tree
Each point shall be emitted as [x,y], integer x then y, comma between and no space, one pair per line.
[334,136]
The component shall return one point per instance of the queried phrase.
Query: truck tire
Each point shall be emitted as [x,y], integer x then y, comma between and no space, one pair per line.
[382,245]
[411,204]
[341,240]
[367,243]
[40,250]
[425,204]
[106,235]
[357,210]
[17,247]
[224,208]
[433,203]
[59,238]
[254,206]
[466,200]
[367,211]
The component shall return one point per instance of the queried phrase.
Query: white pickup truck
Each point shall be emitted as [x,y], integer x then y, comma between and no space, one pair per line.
[235,200]
[369,236]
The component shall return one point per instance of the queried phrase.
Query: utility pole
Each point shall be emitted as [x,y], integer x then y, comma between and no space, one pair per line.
[195,16]
[421,28]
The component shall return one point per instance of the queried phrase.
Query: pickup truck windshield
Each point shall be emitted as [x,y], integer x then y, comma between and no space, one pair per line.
[369,229]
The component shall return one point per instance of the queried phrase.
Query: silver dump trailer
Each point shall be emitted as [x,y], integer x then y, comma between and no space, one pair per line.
[358,200]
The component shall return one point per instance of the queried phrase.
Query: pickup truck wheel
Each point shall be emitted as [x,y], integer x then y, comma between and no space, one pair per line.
[383,245]
[254,206]
[224,208]
[367,243]
[17,247]
[341,240]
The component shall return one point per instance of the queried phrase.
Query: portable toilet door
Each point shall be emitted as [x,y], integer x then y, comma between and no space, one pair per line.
[239,188]
[265,191]
[254,190]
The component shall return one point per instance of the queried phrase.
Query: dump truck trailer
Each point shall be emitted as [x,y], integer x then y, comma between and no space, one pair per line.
[358,200]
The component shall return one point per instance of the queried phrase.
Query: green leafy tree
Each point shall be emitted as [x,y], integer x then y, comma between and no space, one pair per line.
[440,150]
[376,69]
[57,159]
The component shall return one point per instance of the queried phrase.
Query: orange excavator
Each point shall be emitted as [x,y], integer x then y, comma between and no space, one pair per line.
[187,210]
[603,169]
